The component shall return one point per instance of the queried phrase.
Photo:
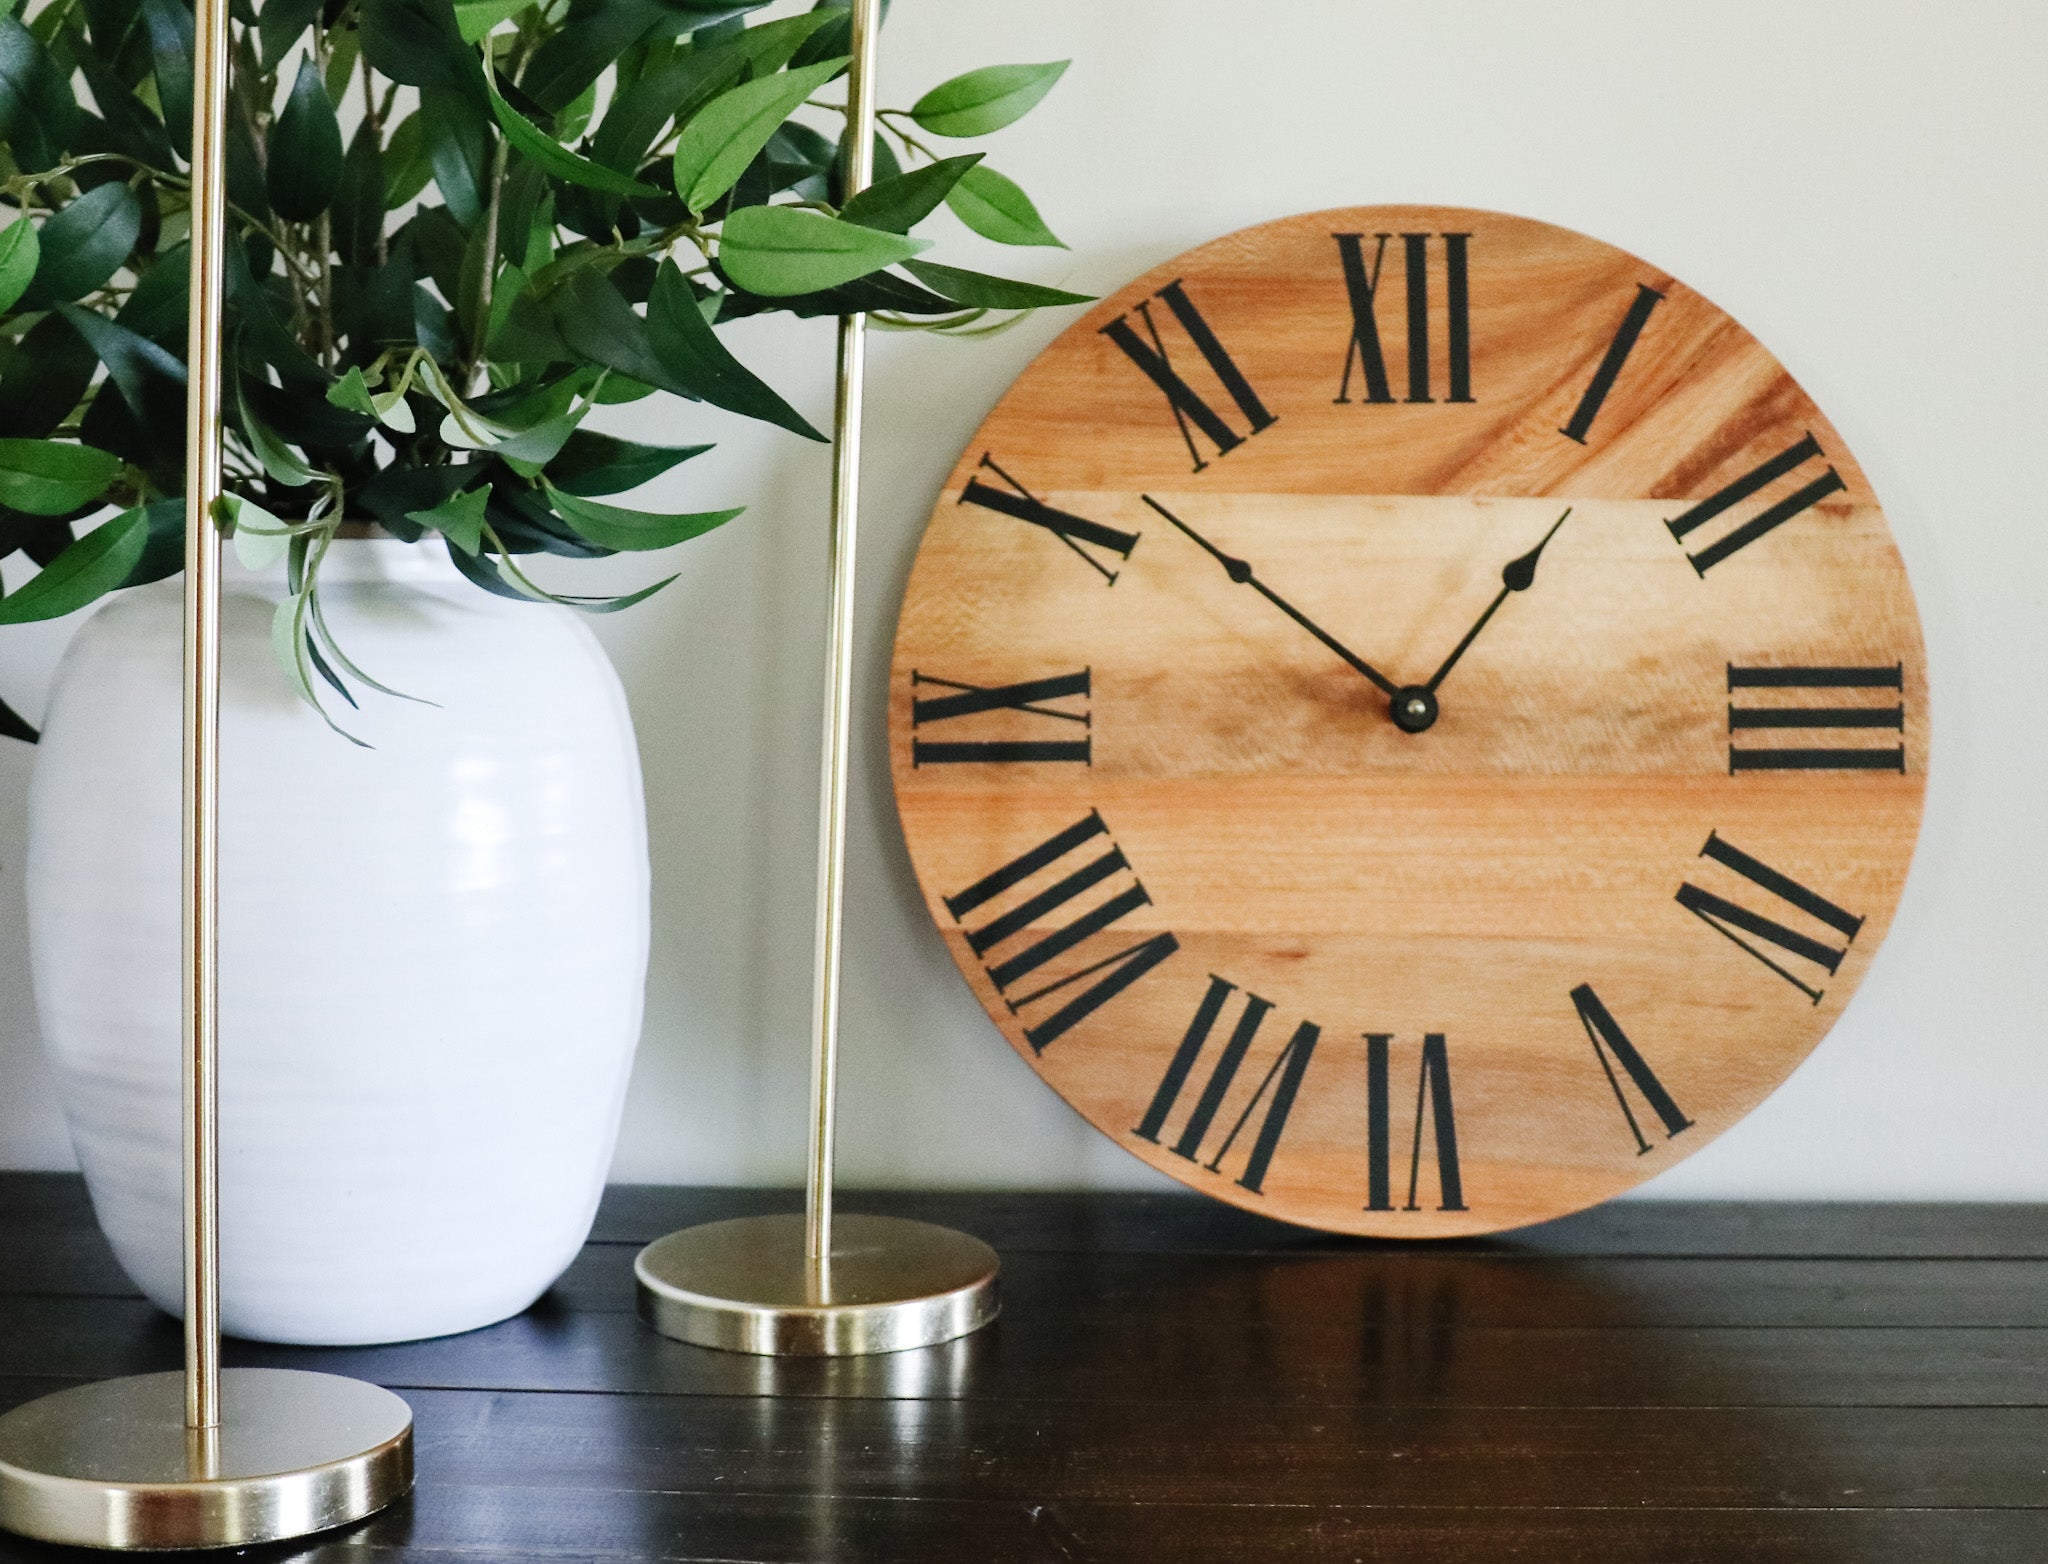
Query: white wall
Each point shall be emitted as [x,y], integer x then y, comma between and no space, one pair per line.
[1864,183]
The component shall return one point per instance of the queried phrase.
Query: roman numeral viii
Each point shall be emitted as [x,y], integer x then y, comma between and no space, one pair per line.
[1612,1047]
[1076,532]
[1732,921]
[1874,718]
[1362,287]
[1013,945]
[1804,498]
[1432,1092]
[1277,1087]
[1190,412]
[969,700]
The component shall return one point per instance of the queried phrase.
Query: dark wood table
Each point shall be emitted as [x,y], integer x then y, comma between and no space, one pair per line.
[1174,1380]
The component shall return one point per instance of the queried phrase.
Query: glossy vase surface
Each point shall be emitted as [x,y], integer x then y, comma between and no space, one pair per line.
[433,950]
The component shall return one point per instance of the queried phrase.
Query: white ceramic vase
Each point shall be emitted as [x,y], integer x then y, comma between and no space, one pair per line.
[433,951]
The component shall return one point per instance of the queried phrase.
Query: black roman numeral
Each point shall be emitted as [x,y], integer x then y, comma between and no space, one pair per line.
[1776,515]
[1072,530]
[1731,921]
[1190,412]
[1611,1047]
[1432,1090]
[1112,974]
[971,699]
[1771,757]
[1282,1079]
[1361,285]
[1646,299]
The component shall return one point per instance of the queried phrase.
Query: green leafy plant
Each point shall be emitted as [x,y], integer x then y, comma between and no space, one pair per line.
[457,229]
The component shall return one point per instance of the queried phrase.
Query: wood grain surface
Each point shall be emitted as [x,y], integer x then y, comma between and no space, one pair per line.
[1249,872]
[1175,1380]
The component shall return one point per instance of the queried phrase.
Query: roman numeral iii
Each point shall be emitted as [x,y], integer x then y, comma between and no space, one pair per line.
[1362,287]
[1733,921]
[1804,498]
[1190,412]
[1077,532]
[1067,866]
[968,700]
[1277,1088]
[1432,1092]
[1878,719]
[1611,1046]
[1638,316]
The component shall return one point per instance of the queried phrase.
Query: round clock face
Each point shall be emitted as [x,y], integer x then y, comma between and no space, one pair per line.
[1409,720]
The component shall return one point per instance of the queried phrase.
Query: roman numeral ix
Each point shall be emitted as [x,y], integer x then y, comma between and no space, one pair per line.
[1732,921]
[1077,860]
[1804,498]
[1612,1047]
[1072,530]
[1362,286]
[1277,1087]
[1747,720]
[1190,412]
[1646,299]
[1432,1092]
[969,700]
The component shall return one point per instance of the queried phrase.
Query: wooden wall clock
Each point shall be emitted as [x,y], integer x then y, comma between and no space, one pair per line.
[1409,720]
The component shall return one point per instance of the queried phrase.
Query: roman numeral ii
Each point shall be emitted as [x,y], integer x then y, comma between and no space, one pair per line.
[1282,1079]
[1362,287]
[1804,498]
[968,700]
[1074,531]
[1190,412]
[1876,719]
[1432,1091]
[1067,855]
[1732,921]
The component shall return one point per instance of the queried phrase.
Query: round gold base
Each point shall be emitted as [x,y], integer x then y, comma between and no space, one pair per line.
[112,1464]
[746,1286]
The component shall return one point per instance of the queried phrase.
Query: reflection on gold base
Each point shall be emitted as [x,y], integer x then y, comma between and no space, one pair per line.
[112,1464]
[746,1286]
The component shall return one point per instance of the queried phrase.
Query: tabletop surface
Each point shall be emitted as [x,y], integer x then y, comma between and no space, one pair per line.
[1648,1383]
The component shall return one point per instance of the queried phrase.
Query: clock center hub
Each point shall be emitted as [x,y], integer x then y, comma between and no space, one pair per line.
[1413,709]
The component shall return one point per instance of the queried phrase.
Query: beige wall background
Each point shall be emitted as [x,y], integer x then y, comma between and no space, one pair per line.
[1864,183]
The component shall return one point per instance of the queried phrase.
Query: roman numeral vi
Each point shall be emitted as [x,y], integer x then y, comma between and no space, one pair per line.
[1732,921]
[1433,1092]
[1066,853]
[968,700]
[1190,412]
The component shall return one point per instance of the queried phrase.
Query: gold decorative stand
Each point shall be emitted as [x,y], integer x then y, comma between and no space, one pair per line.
[205,1459]
[810,1286]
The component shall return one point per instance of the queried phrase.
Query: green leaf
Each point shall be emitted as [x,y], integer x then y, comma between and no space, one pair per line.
[19,252]
[282,23]
[459,519]
[54,477]
[897,205]
[91,568]
[632,530]
[38,113]
[597,324]
[304,168]
[988,99]
[260,540]
[592,463]
[476,18]
[407,167]
[694,358]
[993,293]
[279,460]
[352,391]
[84,245]
[285,646]
[552,155]
[163,553]
[131,360]
[780,250]
[997,208]
[419,42]
[725,135]
[170,47]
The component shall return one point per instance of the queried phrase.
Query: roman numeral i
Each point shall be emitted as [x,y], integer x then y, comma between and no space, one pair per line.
[1282,1079]
[1733,921]
[1067,854]
[1191,413]
[969,700]
[1362,287]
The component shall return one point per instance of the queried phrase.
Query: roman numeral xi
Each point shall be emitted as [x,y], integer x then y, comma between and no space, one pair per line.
[1192,414]
[1733,921]
[1877,720]
[969,700]
[1365,349]
[1068,868]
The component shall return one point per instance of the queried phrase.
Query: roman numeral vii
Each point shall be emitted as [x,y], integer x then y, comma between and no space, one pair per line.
[1190,412]
[1073,869]
[1362,287]
[1733,921]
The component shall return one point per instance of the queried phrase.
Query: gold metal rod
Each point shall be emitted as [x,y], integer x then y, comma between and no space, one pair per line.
[858,170]
[202,719]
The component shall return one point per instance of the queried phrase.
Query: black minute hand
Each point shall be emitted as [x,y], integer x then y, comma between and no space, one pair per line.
[1517,576]
[1241,572]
